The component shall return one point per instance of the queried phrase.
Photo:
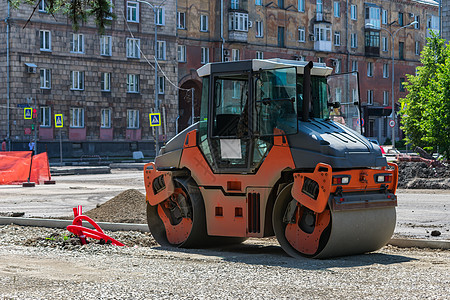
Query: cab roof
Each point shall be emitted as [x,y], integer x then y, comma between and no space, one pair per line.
[319,69]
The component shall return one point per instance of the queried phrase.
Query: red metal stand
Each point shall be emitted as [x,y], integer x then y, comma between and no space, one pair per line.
[83,232]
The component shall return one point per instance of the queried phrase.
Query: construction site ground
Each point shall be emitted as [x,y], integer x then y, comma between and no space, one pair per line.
[46,263]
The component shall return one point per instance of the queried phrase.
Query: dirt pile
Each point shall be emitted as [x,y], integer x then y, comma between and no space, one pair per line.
[418,175]
[127,207]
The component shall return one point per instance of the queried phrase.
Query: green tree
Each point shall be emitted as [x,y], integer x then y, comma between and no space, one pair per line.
[77,11]
[426,108]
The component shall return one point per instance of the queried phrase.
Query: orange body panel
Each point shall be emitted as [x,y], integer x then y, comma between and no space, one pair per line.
[278,159]
[150,173]
[322,175]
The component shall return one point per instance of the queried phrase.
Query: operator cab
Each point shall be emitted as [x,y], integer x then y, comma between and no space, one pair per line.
[246,103]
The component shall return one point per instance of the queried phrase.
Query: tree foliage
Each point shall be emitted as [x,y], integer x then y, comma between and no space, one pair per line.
[78,11]
[426,108]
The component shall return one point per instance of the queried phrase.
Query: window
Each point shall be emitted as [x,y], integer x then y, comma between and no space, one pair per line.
[355,96]
[354,65]
[417,19]
[337,38]
[384,44]
[105,82]
[132,83]
[181,53]
[400,19]
[234,4]
[433,22]
[111,12]
[337,66]
[338,95]
[45,116]
[161,85]
[181,20]
[42,6]
[385,98]
[77,44]
[203,23]
[105,45]
[45,75]
[353,12]
[133,47]
[76,117]
[373,16]
[372,39]
[301,5]
[322,33]
[205,56]
[337,12]
[353,40]
[321,60]
[235,54]
[77,79]
[417,48]
[319,6]
[401,51]
[301,34]
[259,29]
[132,118]
[369,69]
[161,53]
[238,21]
[132,11]
[370,97]
[258,2]
[384,16]
[280,3]
[45,40]
[259,55]
[160,16]
[106,118]
[385,71]
[402,81]
[280,37]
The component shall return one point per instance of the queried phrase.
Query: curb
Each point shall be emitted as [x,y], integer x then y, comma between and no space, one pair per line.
[420,243]
[55,223]
[79,170]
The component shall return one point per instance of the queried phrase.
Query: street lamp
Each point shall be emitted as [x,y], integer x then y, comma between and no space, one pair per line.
[393,70]
[155,11]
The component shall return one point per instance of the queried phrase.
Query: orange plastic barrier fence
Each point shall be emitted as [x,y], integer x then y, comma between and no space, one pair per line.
[15,167]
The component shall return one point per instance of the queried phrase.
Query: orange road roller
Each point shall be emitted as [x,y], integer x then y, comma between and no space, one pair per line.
[278,151]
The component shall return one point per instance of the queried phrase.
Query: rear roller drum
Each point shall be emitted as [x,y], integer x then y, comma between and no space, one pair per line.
[179,220]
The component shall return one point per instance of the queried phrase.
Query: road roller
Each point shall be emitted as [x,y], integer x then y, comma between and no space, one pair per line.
[278,151]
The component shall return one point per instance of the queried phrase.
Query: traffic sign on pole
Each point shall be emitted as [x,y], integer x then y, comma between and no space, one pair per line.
[392,123]
[155,119]
[59,120]
[27,113]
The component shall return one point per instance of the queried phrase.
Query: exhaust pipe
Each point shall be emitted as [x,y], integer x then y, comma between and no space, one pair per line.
[306,91]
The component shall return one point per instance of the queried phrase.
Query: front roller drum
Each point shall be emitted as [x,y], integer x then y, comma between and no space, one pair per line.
[303,232]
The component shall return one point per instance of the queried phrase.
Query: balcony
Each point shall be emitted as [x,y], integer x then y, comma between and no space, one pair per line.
[237,36]
[372,43]
[238,26]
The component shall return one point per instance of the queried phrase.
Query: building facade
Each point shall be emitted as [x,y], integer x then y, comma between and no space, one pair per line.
[103,85]
[445,14]
[348,35]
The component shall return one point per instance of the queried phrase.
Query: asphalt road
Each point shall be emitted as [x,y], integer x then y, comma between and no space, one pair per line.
[419,212]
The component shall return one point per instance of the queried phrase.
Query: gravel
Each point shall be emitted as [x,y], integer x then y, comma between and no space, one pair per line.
[419,175]
[36,264]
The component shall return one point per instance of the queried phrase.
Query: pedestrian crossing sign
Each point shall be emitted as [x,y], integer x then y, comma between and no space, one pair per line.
[59,120]
[28,113]
[155,119]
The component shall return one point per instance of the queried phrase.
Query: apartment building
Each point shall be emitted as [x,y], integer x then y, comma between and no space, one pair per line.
[348,35]
[102,84]
[445,15]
